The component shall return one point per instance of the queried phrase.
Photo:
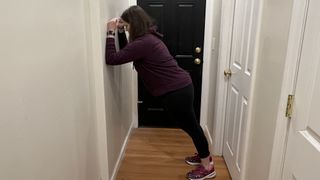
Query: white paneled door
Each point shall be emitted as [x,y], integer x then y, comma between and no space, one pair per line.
[239,84]
[302,158]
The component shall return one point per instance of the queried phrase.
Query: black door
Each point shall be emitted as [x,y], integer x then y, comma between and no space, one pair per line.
[182,24]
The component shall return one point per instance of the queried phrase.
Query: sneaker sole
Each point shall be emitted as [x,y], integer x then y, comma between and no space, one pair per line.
[197,164]
[211,175]
[192,163]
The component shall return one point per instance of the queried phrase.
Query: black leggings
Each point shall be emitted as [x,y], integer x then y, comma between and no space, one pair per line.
[179,104]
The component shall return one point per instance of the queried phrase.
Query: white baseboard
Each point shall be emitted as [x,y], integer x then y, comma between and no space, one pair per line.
[122,152]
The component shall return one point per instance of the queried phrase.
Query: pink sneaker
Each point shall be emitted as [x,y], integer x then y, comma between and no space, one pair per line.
[195,160]
[200,173]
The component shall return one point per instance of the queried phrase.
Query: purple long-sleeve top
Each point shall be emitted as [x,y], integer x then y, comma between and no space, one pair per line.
[152,60]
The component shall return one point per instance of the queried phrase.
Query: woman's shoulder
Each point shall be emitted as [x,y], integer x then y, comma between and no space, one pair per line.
[152,35]
[148,39]
[149,36]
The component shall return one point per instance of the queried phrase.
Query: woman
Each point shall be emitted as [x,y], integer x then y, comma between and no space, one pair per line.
[162,77]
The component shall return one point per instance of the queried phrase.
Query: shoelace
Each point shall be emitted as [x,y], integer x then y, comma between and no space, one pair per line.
[200,169]
[195,157]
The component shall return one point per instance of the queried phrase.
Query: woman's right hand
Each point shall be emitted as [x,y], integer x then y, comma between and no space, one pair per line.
[112,24]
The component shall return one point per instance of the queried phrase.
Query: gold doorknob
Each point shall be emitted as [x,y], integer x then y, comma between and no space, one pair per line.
[197,61]
[198,50]
[227,73]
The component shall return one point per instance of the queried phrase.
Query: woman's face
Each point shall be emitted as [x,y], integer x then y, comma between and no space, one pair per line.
[124,24]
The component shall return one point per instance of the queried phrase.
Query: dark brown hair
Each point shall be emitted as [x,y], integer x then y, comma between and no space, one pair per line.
[139,21]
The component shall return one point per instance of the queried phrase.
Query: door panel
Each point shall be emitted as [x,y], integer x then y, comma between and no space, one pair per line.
[184,43]
[157,11]
[303,151]
[239,84]
[242,124]
[182,23]
[231,121]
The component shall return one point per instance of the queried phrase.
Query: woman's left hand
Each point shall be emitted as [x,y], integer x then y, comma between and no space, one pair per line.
[112,24]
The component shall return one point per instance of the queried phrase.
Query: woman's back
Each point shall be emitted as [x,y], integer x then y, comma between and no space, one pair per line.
[158,69]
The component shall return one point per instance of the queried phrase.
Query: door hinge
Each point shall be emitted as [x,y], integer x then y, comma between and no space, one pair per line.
[289,108]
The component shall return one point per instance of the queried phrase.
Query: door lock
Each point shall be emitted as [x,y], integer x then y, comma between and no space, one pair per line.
[198,50]
[197,61]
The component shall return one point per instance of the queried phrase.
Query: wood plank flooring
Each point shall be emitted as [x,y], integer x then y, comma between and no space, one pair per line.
[158,154]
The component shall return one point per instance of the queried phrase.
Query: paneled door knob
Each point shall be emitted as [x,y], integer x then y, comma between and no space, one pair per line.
[227,73]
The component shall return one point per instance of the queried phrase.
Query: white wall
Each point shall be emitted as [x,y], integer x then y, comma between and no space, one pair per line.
[119,90]
[216,19]
[272,54]
[48,127]
[210,59]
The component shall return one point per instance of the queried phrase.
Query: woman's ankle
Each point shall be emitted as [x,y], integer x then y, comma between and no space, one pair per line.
[206,163]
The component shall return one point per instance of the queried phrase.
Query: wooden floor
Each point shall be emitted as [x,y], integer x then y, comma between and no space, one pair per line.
[158,154]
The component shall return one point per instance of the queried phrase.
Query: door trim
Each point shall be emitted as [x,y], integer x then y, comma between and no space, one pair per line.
[297,26]
[208,48]
[207,53]
[134,106]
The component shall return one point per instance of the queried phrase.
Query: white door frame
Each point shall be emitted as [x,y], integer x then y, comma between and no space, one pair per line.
[298,21]
[222,84]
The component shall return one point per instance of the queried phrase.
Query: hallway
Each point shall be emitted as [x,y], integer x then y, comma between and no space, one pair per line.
[156,153]
[66,115]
